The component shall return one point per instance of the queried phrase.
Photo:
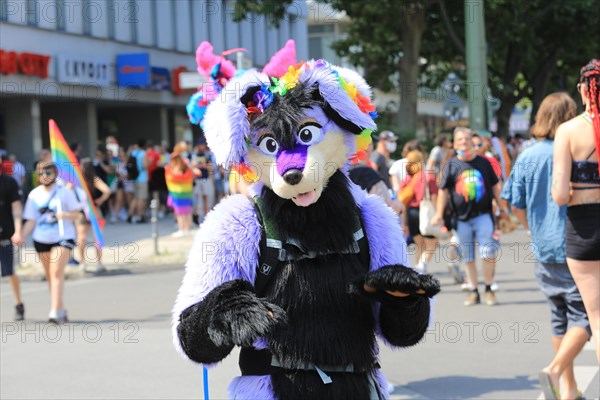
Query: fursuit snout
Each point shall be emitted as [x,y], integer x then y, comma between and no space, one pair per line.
[291,163]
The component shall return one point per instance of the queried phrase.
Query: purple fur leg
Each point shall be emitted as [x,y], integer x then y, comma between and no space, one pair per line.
[382,383]
[251,388]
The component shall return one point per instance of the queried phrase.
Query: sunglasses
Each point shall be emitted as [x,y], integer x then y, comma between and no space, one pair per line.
[47,172]
[479,144]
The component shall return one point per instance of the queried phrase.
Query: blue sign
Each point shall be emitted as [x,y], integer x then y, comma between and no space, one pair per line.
[133,69]
[160,78]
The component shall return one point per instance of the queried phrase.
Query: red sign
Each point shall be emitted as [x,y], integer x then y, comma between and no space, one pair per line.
[175,83]
[31,64]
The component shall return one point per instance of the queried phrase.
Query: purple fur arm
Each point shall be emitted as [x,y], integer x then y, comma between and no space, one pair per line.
[225,249]
[382,227]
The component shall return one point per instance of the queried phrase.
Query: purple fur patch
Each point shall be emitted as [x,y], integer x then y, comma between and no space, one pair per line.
[292,159]
[251,388]
[382,227]
[225,248]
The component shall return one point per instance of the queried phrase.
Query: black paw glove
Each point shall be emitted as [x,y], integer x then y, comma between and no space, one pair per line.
[239,317]
[392,283]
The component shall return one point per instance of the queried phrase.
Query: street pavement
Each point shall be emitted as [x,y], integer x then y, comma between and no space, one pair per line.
[119,346]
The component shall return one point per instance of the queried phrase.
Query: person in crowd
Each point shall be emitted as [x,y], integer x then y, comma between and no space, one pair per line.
[18,171]
[469,184]
[103,171]
[100,193]
[157,179]
[423,186]
[398,169]
[482,149]
[44,157]
[125,188]
[370,180]
[204,185]
[50,210]
[76,149]
[437,153]
[386,145]
[527,187]
[179,179]
[11,211]
[576,183]
[137,208]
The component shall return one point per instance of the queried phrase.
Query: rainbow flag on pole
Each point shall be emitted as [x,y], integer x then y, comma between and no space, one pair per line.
[70,171]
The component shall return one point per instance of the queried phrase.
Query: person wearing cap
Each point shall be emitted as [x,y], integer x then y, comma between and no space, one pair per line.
[386,145]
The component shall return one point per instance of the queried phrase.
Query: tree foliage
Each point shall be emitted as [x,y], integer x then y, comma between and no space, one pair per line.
[534,46]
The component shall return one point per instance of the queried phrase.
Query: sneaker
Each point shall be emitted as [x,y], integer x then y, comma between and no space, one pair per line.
[73,261]
[19,312]
[466,287]
[100,268]
[178,234]
[58,317]
[455,272]
[113,219]
[473,299]
[494,286]
[490,298]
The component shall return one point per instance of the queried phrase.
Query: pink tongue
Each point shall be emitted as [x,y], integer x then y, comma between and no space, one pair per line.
[306,199]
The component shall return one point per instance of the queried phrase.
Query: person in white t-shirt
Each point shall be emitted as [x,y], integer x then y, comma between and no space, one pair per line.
[50,211]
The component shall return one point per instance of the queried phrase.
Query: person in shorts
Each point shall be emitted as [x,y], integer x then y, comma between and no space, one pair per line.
[50,211]
[527,187]
[10,232]
[469,184]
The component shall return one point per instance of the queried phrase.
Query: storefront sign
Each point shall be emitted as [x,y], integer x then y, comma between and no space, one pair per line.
[31,64]
[83,70]
[160,78]
[185,82]
[133,69]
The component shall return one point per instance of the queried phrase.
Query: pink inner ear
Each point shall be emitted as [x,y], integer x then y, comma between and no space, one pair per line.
[279,63]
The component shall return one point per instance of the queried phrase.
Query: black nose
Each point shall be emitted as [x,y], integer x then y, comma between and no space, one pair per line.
[293,176]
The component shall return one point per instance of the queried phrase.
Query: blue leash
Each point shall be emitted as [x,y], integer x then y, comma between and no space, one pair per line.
[205,381]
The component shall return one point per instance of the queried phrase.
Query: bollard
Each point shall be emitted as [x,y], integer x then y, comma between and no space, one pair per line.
[154,204]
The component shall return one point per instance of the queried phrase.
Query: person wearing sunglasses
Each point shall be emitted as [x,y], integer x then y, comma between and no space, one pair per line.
[50,211]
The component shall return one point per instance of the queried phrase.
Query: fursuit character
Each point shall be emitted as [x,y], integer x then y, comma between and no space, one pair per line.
[308,271]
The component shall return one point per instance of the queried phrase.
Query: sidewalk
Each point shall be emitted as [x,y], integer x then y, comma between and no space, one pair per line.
[127,246]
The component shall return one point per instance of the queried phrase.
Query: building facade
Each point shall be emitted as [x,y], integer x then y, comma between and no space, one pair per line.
[112,67]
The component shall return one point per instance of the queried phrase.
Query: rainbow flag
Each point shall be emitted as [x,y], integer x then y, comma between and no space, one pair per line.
[70,171]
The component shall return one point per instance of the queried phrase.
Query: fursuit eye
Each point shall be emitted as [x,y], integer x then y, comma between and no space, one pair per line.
[268,146]
[309,134]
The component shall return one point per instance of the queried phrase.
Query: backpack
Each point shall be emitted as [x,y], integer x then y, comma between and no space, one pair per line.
[132,169]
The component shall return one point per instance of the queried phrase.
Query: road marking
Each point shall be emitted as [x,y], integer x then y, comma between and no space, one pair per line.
[584,376]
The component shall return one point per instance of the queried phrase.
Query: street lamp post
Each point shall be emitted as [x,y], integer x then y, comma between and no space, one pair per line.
[476,63]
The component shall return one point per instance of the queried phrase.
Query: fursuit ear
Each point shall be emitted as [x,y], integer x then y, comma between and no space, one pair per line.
[226,125]
[346,95]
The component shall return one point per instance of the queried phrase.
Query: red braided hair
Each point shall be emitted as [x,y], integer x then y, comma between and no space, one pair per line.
[590,76]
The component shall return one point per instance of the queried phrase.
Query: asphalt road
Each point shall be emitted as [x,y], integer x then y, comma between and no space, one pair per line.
[118,345]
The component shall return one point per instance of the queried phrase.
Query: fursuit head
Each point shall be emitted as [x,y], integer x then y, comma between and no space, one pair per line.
[306,272]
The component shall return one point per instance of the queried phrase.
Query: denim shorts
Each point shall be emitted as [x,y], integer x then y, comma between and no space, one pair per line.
[566,306]
[7,255]
[479,229]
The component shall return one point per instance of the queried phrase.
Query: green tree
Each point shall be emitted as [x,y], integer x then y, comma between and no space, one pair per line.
[534,47]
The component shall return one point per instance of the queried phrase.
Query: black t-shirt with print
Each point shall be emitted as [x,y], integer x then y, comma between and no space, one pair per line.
[9,193]
[470,186]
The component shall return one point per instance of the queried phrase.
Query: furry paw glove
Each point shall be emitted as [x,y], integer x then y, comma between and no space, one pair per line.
[395,278]
[231,314]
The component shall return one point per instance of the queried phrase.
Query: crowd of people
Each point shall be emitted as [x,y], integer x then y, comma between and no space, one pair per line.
[551,183]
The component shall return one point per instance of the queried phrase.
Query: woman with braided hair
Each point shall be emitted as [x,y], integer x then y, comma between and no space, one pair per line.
[576,182]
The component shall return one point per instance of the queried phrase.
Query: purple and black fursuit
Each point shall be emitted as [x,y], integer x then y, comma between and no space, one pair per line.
[311,333]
